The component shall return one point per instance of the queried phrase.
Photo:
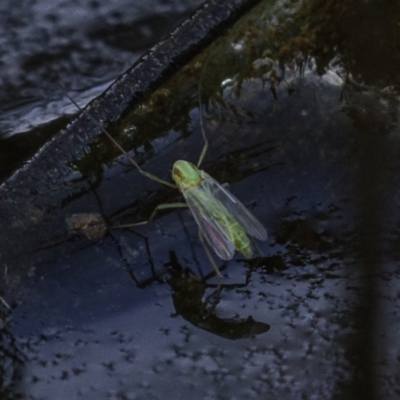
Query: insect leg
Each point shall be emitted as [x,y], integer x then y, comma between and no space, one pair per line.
[213,298]
[154,213]
[5,303]
[210,258]
[119,147]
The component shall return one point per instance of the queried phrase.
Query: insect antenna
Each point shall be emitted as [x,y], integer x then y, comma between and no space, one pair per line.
[203,131]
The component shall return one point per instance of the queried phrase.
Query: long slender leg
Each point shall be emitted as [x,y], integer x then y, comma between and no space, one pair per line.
[213,298]
[154,213]
[206,249]
[119,147]
[5,303]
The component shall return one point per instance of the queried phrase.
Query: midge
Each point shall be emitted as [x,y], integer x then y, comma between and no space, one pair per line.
[224,223]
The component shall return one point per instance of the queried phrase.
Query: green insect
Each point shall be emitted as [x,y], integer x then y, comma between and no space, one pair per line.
[224,223]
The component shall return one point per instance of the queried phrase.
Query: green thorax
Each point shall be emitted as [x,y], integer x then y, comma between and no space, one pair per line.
[186,175]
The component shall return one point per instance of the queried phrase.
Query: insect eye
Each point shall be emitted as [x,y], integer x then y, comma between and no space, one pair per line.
[177,172]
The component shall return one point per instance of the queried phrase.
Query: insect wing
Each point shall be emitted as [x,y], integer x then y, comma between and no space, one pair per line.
[247,220]
[203,208]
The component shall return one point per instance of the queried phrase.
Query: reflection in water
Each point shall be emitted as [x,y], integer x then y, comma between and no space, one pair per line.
[188,298]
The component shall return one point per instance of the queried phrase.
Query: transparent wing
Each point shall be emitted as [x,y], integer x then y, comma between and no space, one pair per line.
[247,220]
[209,216]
